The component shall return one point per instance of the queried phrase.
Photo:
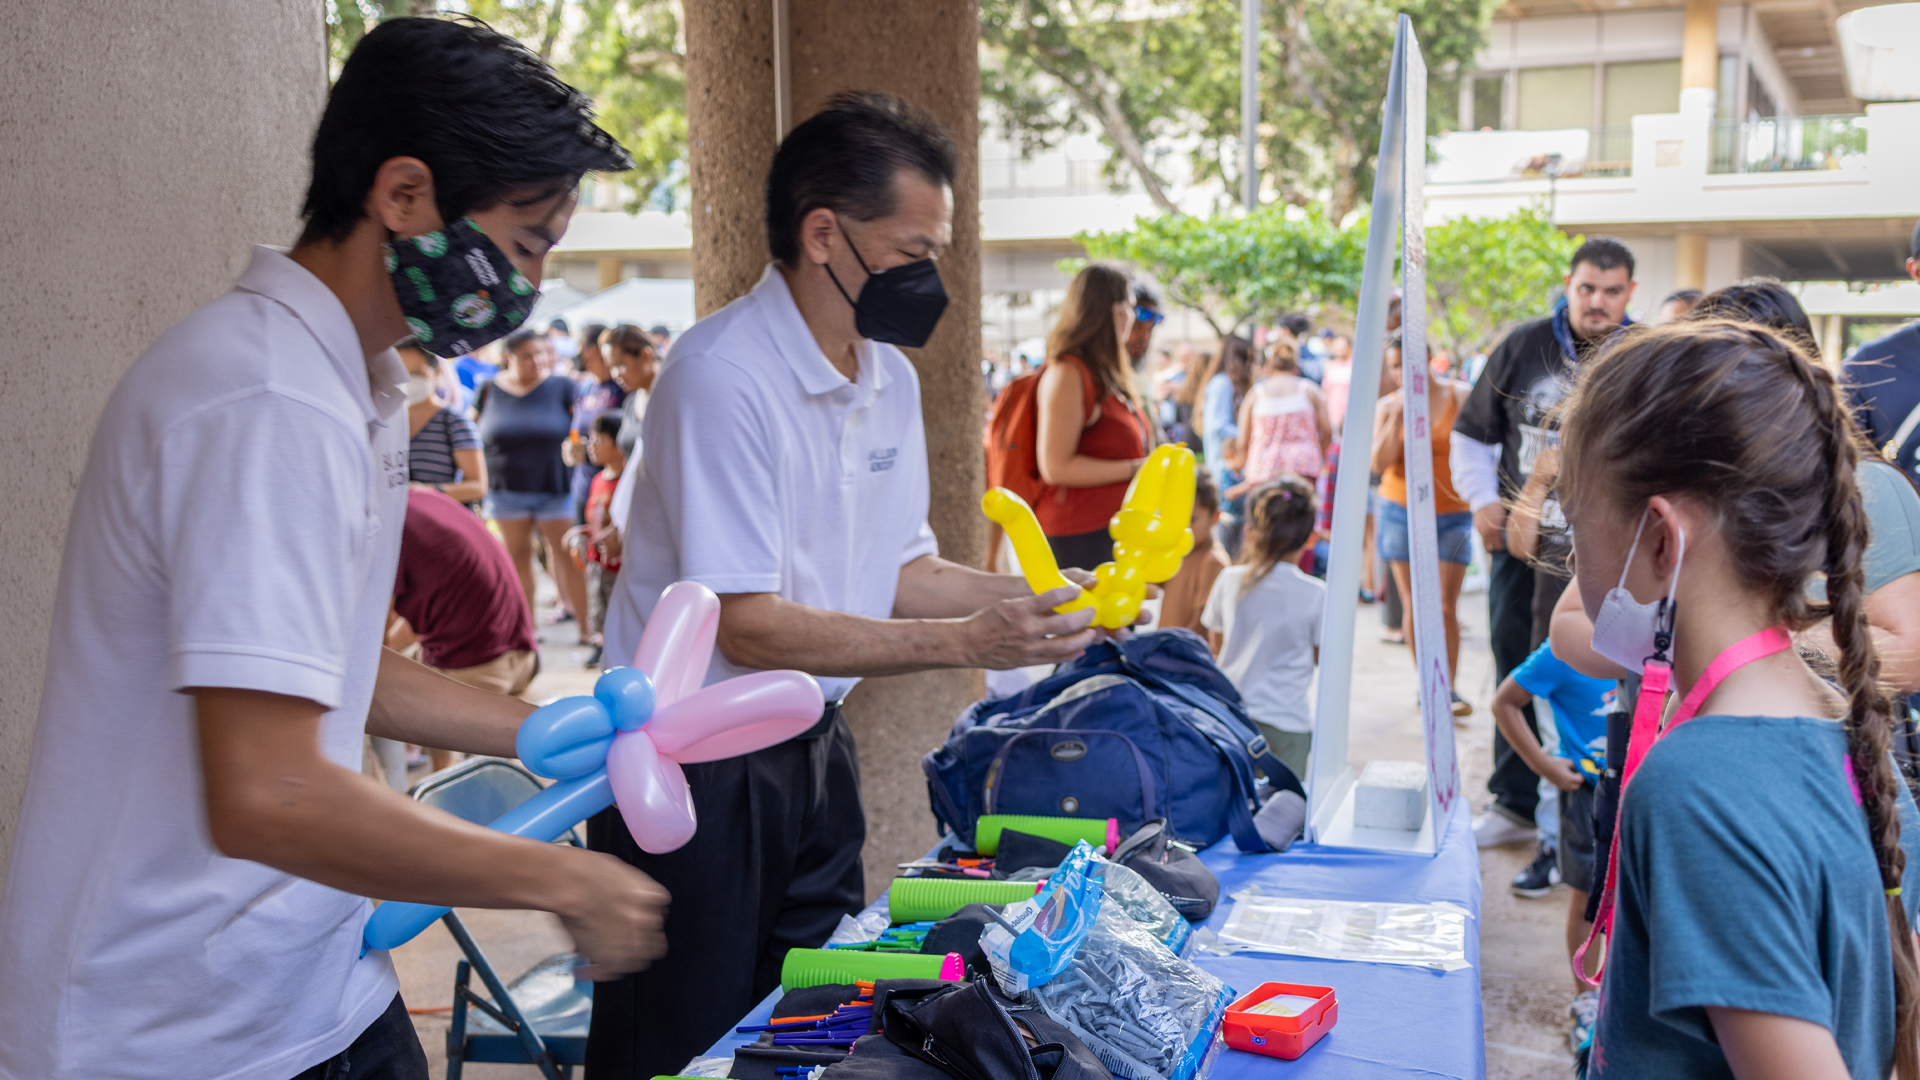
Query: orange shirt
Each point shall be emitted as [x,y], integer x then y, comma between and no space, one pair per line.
[1393,482]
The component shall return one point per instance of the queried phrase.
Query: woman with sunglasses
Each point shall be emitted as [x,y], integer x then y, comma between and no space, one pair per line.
[1093,429]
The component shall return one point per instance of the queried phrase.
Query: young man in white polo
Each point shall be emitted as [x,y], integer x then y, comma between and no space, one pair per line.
[786,469]
[189,881]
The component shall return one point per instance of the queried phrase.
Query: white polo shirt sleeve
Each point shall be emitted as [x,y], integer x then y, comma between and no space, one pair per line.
[710,456]
[921,543]
[262,600]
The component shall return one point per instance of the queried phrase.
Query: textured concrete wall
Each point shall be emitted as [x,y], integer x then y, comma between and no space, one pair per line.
[141,151]
[925,51]
[731,137]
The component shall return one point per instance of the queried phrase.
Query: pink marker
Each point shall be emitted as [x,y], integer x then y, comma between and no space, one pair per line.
[953,969]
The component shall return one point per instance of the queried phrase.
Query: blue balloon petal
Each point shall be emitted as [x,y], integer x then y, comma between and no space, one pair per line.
[628,695]
[566,738]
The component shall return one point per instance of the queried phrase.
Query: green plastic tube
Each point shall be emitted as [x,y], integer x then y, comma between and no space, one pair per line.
[1067,830]
[916,899]
[820,967]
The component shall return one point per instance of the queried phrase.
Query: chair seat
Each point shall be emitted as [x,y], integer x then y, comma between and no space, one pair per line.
[556,1006]
[506,1049]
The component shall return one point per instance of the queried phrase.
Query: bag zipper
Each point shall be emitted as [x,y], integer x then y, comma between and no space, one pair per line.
[1013,1030]
[990,790]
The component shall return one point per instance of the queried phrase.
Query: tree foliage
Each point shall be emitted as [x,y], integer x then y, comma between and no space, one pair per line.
[628,55]
[1486,274]
[1483,274]
[1234,267]
[1171,77]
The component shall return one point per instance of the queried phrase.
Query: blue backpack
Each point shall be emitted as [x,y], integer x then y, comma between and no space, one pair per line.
[1141,730]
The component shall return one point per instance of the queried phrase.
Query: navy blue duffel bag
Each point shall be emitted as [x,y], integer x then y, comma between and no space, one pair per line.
[1146,729]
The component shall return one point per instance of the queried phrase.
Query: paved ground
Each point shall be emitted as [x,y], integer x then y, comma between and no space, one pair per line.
[1523,966]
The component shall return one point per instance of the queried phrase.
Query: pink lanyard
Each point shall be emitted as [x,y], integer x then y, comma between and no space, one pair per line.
[1656,677]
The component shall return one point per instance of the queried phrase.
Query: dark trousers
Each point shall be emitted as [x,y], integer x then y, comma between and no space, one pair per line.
[388,1050]
[1515,787]
[1085,550]
[773,866]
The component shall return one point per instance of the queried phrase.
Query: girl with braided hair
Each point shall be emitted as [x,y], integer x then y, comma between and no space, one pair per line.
[1759,896]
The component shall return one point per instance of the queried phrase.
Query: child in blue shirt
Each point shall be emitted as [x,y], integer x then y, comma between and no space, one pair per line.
[1580,705]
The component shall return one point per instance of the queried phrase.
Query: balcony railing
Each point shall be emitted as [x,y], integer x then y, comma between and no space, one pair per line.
[1789,144]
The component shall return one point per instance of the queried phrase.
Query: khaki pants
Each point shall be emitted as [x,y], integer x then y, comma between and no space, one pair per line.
[509,673]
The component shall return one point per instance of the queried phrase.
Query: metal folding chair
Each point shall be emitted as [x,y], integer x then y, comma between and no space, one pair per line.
[541,1018]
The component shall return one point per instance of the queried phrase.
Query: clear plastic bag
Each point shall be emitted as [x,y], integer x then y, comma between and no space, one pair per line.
[1037,938]
[1419,935]
[1146,1013]
[1145,905]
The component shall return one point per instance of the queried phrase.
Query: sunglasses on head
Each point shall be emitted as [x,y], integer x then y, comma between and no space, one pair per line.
[1148,315]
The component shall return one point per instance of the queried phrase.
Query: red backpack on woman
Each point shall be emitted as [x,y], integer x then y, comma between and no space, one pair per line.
[1013,432]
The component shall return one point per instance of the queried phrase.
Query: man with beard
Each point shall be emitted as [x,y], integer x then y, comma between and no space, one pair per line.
[1503,427]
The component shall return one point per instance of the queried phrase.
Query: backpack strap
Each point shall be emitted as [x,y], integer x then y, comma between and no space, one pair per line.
[1898,443]
[1240,821]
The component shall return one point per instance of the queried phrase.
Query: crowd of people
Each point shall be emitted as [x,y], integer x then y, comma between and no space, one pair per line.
[255,523]
[1269,438]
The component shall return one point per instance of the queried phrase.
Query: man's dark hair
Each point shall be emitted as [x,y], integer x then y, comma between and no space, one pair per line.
[1688,297]
[1602,253]
[481,110]
[845,158]
[1297,324]
[1206,496]
[590,334]
[1145,296]
[608,424]
[413,343]
[560,325]
[1765,302]
[521,337]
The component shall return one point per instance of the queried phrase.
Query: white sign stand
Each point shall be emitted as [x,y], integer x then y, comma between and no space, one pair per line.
[1399,192]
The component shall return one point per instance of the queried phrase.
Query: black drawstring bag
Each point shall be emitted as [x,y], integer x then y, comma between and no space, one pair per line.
[967,1031]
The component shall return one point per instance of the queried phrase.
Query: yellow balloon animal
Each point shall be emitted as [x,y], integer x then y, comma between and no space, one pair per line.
[1151,534]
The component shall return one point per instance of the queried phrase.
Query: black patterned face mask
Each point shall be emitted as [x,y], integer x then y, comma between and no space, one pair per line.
[457,289]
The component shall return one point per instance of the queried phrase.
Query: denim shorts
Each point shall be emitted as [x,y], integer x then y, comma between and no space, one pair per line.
[1456,532]
[529,506]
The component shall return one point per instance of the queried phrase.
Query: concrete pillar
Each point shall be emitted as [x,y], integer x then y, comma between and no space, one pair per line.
[1700,60]
[734,110]
[730,141]
[139,159]
[1690,261]
[609,271]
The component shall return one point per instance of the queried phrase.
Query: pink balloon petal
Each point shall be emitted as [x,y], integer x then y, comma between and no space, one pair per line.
[651,792]
[677,644]
[738,716]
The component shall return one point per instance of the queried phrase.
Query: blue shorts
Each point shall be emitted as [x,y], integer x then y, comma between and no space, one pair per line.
[529,506]
[1456,535]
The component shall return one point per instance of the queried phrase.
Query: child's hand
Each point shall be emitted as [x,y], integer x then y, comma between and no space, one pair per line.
[609,545]
[1239,489]
[1563,774]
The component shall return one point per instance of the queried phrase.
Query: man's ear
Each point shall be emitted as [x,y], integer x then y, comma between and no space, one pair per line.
[816,235]
[401,200]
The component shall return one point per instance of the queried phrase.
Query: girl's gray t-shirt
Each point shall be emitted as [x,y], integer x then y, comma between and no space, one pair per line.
[1270,635]
[1748,881]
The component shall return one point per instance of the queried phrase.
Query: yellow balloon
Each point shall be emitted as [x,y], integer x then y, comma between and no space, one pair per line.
[1152,533]
[1013,515]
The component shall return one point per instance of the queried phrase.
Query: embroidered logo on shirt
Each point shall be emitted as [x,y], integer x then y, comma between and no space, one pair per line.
[882,460]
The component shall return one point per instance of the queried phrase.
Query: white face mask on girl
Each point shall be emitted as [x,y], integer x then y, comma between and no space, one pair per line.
[419,389]
[1626,631]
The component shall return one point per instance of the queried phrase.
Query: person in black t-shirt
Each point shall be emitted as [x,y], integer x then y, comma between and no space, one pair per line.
[1502,429]
[1883,381]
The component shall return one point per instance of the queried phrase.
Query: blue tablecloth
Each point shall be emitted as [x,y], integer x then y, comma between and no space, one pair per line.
[1395,1020]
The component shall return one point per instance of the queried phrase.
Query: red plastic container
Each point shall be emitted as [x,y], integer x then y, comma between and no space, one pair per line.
[1280,1036]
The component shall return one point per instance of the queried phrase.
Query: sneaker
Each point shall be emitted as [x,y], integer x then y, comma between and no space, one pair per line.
[592,662]
[1461,706]
[1584,1011]
[1493,828]
[1540,875]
